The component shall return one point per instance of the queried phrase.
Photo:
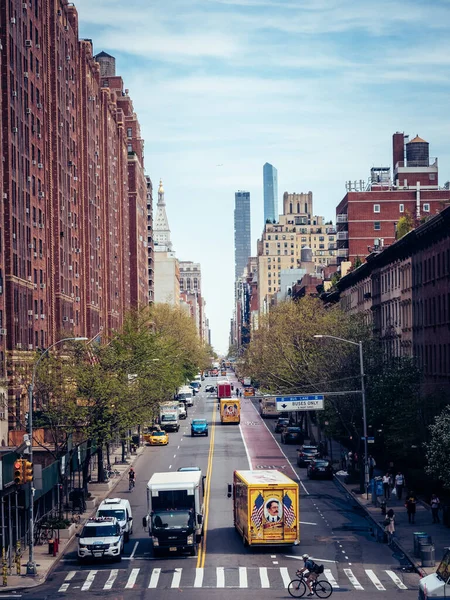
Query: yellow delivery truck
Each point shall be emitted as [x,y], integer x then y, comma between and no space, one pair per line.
[230,410]
[266,508]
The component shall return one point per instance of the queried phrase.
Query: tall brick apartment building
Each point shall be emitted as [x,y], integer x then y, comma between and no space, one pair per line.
[367,216]
[74,212]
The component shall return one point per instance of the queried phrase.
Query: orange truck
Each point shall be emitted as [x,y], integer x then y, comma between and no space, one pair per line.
[266,508]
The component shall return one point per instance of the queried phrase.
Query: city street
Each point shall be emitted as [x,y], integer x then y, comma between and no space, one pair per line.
[333,529]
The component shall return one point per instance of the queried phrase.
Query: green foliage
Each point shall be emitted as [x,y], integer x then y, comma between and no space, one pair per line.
[438,449]
[358,262]
[405,225]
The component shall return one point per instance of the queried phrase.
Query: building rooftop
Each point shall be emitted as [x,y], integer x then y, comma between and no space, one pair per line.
[418,139]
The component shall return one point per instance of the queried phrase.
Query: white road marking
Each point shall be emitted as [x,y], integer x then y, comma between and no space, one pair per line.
[199,572]
[246,448]
[134,550]
[374,579]
[220,577]
[355,583]
[307,523]
[265,583]
[243,582]
[398,582]
[174,455]
[132,579]
[315,558]
[69,577]
[329,575]
[182,438]
[285,576]
[89,580]
[273,556]
[111,579]
[178,447]
[154,578]
[275,562]
[176,578]
[170,466]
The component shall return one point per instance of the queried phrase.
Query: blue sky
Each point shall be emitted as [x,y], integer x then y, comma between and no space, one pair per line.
[317,88]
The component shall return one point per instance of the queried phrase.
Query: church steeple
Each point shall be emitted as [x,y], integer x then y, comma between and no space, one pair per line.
[161,229]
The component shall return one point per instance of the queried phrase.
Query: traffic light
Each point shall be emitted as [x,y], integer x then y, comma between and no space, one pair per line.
[18,472]
[27,471]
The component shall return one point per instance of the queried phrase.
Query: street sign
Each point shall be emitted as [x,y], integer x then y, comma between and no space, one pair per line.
[299,403]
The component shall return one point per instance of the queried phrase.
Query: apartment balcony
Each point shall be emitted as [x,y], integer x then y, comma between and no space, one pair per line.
[342,253]
[342,235]
[342,218]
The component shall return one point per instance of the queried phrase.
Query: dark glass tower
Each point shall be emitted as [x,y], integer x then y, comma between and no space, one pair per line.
[270,176]
[242,233]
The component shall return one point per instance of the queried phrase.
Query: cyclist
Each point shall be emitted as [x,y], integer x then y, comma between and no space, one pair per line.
[312,569]
[131,478]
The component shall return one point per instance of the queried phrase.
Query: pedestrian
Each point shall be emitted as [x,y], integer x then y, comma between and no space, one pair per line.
[410,506]
[387,485]
[343,460]
[399,484]
[435,505]
[372,465]
[389,525]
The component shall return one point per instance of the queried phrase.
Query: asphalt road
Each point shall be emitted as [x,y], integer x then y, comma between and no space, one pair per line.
[333,529]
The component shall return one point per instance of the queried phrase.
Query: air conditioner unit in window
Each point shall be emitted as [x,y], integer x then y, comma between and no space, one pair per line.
[41,195]
[65,319]
[30,346]
[24,5]
[39,105]
[42,286]
[33,162]
[39,136]
[40,166]
[42,317]
[29,178]
[3,331]
[70,268]
[30,246]
[28,112]
[25,74]
[38,46]
[19,345]
[13,20]
[71,320]
[41,225]
[27,210]
[15,130]
[35,254]
[14,94]
[30,313]
[36,317]
[77,299]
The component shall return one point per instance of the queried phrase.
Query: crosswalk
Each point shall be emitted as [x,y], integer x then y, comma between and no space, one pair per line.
[357,579]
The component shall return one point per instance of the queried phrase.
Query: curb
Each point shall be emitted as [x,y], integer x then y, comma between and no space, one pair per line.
[410,559]
[44,577]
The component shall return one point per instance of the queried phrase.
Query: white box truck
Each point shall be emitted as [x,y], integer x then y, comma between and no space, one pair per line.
[175,511]
[169,416]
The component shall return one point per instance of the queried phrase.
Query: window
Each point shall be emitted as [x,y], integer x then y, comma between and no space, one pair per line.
[376,208]
[377,225]
[129,132]
[401,208]
[426,207]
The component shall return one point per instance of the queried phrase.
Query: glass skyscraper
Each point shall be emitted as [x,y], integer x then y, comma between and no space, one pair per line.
[242,233]
[270,176]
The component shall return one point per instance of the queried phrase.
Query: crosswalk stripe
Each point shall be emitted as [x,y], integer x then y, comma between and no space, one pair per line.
[176,578]
[132,579]
[154,578]
[65,586]
[398,582]
[355,583]
[199,572]
[285,576]
[243,581]
[111,579]
[220,577]
[329,575]
[264,577]
[374,579]
[89,580]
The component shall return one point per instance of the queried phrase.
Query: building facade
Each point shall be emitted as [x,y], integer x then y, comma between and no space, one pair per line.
[270,185]
[150,249]
[242,232]
[367,216]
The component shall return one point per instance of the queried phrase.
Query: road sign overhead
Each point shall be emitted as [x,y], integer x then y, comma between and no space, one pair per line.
[298,403]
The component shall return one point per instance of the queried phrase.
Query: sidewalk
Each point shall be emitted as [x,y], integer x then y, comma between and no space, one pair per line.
[403,537]
[46,562]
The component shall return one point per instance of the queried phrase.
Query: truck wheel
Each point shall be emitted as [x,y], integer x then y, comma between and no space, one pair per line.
[193,551]
[192,434]
[244,541]
[206,434]
[119,558]
[198,538]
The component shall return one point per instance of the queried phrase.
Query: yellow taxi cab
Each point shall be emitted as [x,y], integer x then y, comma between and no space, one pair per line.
[158,438]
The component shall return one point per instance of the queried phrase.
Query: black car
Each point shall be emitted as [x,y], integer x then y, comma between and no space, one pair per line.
[292,435]
[320,469]
[210,388]
[306,454]
[281,423]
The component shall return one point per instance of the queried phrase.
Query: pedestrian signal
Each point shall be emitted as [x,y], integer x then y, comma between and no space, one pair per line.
[27,471]
[18,472]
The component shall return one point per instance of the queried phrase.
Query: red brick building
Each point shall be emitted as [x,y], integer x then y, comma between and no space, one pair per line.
[74,252]
[367,216]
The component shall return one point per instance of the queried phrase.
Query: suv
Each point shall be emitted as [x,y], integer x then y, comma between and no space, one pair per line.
[306,454]
[182,410]
[199,427]
[101,537]
[120,509]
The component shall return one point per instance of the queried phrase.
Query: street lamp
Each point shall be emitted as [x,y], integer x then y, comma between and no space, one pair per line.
[363,395]
[31,565]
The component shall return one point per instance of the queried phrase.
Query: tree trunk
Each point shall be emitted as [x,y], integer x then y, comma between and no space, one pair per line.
[86,464]
[101,470]
[122,441]
[108,457]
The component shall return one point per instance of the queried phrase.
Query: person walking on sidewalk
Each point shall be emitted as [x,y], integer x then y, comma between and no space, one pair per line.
[410,505]
[399,484]
[372,465]
[435,505]
[389,525]
[387,485]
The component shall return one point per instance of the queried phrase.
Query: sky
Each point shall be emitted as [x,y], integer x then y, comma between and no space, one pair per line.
[315,87]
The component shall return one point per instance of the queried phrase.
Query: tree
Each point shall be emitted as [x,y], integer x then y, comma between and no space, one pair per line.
[405,225]
[438,449]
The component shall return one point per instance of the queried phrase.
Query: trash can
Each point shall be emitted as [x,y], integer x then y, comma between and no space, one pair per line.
[51,546]
[424,541]
[427,555]
[416,536]
[379,486]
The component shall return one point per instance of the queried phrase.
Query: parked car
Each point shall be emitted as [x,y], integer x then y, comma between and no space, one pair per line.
[281,423]
[292,435]
[306,454]
[199,427]
[319,468]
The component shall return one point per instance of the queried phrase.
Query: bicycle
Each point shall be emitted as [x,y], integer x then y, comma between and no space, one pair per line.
[131,484]
[298,588]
